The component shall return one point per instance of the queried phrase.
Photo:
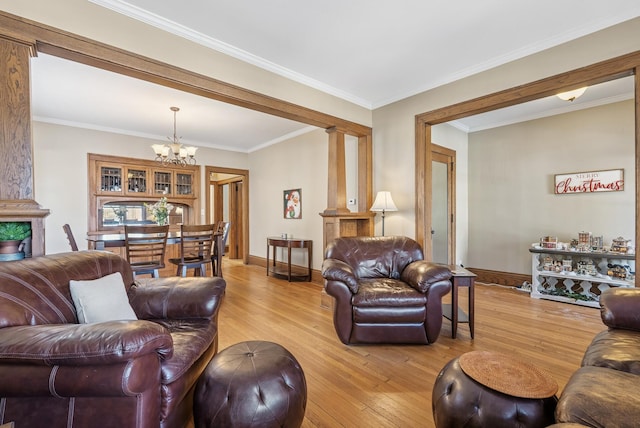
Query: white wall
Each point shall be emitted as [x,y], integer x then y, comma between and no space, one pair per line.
[297,163]
[61,178]
[511,184]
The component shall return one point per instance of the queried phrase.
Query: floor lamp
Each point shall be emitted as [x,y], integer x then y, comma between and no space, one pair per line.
[382,204]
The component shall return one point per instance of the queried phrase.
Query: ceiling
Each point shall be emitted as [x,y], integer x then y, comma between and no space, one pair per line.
[389,51]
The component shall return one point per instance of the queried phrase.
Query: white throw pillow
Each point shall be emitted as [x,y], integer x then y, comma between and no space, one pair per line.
[102,299]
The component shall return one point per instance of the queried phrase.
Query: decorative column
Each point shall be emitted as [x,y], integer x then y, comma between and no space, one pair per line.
[16,149]
[337,182]
[338,220]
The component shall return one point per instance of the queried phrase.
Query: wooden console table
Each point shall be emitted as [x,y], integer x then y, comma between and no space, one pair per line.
[289,243]
[461,278]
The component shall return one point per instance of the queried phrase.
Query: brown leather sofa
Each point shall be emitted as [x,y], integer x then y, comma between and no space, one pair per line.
[603,392]
[384,291]
[55,372]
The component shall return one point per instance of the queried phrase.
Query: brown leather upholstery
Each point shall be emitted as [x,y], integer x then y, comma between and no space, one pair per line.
[604,391]
[251,384]
[57,373]
[384,291]
[460,401]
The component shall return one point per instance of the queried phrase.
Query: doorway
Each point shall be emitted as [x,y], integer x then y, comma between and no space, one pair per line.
[227,199]
[443,227]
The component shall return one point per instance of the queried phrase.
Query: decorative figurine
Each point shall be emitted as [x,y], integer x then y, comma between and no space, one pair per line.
[620,245]
[618,271]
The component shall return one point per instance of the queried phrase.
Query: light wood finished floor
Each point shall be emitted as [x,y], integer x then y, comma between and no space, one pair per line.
[390,386]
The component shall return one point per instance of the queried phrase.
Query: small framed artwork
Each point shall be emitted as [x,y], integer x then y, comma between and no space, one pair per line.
[293,203]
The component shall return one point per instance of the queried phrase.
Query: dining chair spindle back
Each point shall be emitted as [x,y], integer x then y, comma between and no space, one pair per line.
[70,238]
[145,248]
[222,229]
[196,248]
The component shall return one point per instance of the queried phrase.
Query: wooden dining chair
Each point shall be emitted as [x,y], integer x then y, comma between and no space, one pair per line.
[145,248]
[70,238]
[222,232]
[196,248]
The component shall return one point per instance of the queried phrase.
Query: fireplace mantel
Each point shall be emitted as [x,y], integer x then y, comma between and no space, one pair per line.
[29,211]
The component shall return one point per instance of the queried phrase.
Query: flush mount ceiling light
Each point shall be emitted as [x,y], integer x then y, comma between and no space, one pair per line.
[571,95]
[173,153]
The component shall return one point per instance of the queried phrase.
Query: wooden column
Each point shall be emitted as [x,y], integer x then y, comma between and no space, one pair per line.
[337,182]
[16,157]
[16,150]
[365,176]
[338,220]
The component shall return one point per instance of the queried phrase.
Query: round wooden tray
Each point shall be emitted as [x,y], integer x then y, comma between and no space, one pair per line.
[508,375]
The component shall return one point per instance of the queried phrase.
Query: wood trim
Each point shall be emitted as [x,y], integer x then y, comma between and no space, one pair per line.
[625,65]
[637,153]
[16,153]
[337,178]
[70,46]
[487,276]
[365,176]
[586,76]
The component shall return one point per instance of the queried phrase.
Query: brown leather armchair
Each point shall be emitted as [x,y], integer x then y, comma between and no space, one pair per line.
[55,372]
[384,291]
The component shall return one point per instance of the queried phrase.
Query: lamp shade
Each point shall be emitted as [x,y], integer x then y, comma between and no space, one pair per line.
[383,202]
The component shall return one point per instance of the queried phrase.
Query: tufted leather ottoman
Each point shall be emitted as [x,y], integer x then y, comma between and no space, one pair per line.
[251,384]
[467,393]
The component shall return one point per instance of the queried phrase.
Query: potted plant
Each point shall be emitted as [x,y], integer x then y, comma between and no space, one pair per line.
[12,235]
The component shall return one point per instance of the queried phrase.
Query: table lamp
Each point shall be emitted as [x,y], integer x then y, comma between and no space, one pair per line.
[383,203]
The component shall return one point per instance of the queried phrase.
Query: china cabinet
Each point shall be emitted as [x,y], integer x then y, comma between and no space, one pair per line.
[121,189]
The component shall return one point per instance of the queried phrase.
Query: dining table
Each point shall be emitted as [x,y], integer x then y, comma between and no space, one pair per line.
[102,241]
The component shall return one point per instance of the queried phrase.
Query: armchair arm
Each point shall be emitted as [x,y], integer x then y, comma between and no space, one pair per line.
[177,297]
[620,308]
[337,270]
[83,344]
[422,274]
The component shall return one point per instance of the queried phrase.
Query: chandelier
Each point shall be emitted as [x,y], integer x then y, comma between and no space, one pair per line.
[173,153]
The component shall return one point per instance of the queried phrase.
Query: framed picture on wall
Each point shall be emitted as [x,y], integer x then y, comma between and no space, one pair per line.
[293,203]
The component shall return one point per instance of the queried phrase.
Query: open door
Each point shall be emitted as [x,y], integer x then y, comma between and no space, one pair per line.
[227,199]
[443,205]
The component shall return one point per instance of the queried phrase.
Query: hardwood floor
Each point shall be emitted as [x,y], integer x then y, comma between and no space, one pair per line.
[390,386]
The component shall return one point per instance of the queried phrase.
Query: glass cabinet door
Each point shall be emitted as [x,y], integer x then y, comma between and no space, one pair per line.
[110,179]
[137,181]
[184,184]
[162,182]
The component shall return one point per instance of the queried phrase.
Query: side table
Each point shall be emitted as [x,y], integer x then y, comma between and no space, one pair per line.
[289,243]
[461,278]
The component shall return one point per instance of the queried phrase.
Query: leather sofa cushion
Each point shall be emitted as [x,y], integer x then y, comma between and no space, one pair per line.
[190,340]
[616,349]
[600,397]
[387,292]
[375,257]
